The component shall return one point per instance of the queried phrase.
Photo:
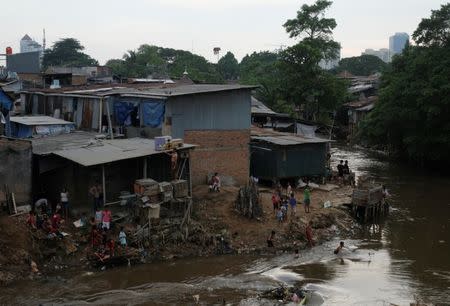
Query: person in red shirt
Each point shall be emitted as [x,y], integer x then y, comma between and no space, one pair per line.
[106,218]
[309,235]
[95,237]
[275,202]
[56,220]
[31,221]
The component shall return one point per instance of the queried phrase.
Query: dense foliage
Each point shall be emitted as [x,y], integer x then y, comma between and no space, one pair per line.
[228,67]
[363,65]
[67,52]
[315,92]
[161,62]
[291,81]
[412,117]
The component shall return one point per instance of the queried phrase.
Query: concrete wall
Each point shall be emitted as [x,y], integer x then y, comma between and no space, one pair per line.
[224,151]
[16,169]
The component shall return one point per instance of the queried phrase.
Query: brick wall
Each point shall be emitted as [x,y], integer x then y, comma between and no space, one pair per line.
[222,151]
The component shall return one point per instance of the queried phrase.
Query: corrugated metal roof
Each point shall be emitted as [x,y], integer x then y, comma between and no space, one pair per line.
[142,90]
[259,108]
[289,140]
[38,120]
[106,151]
[47,144]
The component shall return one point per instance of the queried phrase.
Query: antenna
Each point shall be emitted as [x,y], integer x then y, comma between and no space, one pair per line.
[43,40]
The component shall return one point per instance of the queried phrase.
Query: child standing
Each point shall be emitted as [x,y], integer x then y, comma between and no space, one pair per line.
[123,238]
[106,218]
[279,215]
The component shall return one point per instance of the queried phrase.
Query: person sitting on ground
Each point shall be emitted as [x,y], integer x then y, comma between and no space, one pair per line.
[31,220]
[106,218]
[309,235]
[56,219]
[271,239]
[339,248]
[307,198]
[293,204]
[110,246]
[42,206]
[95,237]
[215,183]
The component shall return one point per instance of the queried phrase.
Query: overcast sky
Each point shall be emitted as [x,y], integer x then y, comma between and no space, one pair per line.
[108,28]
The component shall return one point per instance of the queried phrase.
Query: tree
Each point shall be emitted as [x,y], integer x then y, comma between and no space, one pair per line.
[261,68]
[304,83]
[314,29]
[67,52]
[434,30]
[228,67]
[363,65]
[161,62]
[412,116]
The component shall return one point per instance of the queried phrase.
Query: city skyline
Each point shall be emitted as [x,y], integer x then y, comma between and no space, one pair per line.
[200,25]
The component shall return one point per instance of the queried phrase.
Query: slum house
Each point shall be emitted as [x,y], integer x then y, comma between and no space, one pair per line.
[357,111]
[77,160]
[217,118]
[277,156]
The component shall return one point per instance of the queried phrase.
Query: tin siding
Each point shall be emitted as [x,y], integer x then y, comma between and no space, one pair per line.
[228,110]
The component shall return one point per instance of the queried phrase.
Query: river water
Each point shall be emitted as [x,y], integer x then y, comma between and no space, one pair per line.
[406,257]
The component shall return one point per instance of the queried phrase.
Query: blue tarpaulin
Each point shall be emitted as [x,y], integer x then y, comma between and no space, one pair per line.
[5,102]
[123,111]
[153,113]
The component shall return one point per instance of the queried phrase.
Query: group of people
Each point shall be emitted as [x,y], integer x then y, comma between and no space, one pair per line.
[281,203]
[44,218]
[344,173]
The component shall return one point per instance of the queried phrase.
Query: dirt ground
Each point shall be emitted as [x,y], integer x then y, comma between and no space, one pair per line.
[215,224]
[216,210]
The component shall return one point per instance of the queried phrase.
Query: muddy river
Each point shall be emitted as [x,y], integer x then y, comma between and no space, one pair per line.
[405,258]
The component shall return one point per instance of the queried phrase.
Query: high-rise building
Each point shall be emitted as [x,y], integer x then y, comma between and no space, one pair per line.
[397,43]
[29,45]
[382,54]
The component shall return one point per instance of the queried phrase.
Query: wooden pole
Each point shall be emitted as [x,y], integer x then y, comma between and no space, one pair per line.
[190,174]
[103,184]
[100,115]
[109,120]
[145,168]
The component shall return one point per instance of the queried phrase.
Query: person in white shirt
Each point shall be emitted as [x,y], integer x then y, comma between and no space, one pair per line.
[65,202]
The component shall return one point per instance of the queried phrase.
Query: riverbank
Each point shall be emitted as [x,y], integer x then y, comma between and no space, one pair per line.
[216,229]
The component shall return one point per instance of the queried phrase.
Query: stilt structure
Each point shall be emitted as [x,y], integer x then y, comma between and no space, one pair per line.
[368,203]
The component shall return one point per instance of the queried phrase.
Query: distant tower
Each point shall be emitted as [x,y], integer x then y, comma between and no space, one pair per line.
[29,45]
[397,43]
[43,40]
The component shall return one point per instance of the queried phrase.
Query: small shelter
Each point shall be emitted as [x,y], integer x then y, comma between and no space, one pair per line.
[276,156]
[36,126]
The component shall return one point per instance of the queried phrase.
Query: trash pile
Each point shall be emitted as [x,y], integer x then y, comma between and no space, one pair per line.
[248,202]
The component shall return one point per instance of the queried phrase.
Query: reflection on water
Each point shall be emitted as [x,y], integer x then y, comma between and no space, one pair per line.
[406,256]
